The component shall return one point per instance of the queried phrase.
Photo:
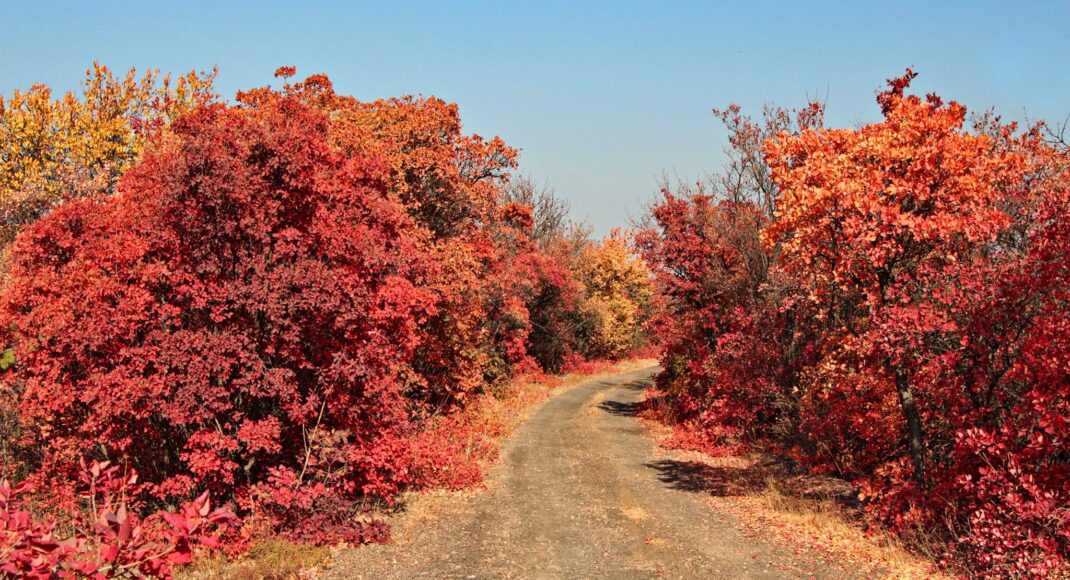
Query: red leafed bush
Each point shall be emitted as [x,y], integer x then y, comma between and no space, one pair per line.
[451,452]
[302,303]
[534,303]
[315,513]
[720,347]
[887,304]
[449,183]
[248,303]
[911,237]
[576,364]
[1011,475]
[107,540]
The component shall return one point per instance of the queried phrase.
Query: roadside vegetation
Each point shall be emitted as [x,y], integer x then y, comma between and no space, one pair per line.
[887,305]
[239,333]
[287,309]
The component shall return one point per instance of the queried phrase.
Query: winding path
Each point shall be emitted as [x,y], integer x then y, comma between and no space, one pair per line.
[579,493]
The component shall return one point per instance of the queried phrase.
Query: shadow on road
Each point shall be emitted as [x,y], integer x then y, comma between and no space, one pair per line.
[625,408]
[640,385]
[699,477]
[738,480]
[620,409]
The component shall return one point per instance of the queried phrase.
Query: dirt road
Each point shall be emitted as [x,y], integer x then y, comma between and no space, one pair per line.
[580,493]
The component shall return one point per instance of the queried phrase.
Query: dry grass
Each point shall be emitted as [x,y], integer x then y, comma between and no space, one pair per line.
[827,526]
[272,560]
[799,511]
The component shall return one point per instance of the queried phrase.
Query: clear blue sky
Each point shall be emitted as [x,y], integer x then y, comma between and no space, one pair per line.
[603,98]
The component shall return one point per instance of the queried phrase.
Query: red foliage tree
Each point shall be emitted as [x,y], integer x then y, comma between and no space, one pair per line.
[730,327]
[247,306]
[450,184]
[868,217]
[906,327]
[289,302]
[710,266]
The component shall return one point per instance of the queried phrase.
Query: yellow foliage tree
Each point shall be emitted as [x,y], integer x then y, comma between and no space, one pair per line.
[619,290]
[53,149]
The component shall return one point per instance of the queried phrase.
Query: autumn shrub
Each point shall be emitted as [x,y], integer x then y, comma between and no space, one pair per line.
[248,304]
[904,239]
[302,303]
[107,539]
[575,364]
[449,183]
[453,451]
[716,327]
[319,513]
[886,304]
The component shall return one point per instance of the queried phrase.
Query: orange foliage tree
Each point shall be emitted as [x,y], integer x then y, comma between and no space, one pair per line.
[903,326]
[871,220]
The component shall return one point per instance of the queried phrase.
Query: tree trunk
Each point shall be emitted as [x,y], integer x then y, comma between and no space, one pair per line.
[914,436]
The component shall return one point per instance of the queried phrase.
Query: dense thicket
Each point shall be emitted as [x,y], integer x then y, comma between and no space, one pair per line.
[287,302]
[887,304]
[249,289]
